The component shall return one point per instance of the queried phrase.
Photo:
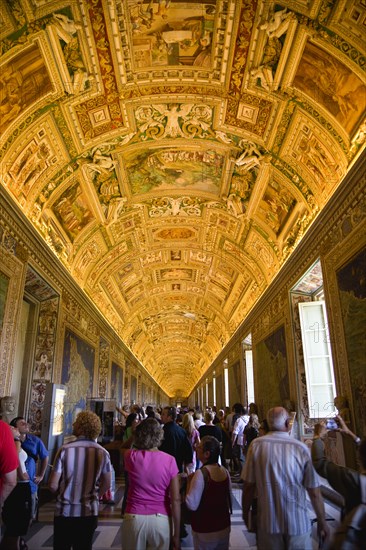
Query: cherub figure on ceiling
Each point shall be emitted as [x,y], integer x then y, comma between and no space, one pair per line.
[102,163]
[250,157]
[66,27]
[66,30]
[234,205]
[278,24]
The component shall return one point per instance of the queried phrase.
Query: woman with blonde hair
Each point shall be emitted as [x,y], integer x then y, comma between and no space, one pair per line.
[209,428]
[193,437]
[251,431]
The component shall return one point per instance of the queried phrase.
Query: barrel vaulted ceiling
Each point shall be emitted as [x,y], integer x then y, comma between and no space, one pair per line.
[173,153]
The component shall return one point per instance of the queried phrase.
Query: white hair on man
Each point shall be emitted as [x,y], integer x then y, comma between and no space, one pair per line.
[278,419]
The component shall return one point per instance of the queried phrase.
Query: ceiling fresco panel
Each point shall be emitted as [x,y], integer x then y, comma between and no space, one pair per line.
[332,84]
[73,211]
[24,82]
[173,169]
[317,158]
[33,159]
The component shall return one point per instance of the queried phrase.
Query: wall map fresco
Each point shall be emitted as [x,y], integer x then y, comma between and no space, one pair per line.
[77,375]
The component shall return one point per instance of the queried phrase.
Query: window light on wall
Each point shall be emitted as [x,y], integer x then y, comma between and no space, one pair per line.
[226,384]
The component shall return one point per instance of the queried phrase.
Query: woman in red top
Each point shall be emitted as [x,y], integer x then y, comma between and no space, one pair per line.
[210,500]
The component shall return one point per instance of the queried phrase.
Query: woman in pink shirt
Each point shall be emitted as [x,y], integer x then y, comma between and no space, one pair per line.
[152,514]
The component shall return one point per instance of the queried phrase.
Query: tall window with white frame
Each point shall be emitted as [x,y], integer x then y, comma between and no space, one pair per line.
[226,384]
[248,361]
[317,358]
[214,389]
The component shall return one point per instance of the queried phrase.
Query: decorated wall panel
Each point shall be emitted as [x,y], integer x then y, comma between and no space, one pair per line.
[271,371]
[117,383]
[352,296]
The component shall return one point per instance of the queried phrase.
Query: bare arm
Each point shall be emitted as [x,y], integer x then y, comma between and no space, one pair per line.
[38,478]
[343,428]
[122,412]
[318,505]
[104,483]
[20,474]
[54,481]
[9,481]
[247,499]
[126,445]
[175,503]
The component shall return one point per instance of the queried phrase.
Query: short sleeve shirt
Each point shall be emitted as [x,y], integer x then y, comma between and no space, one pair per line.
[150,474]
[81,464]
[281,469]
[33,446]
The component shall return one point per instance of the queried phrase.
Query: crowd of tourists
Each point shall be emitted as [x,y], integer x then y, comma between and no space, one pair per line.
[179,467]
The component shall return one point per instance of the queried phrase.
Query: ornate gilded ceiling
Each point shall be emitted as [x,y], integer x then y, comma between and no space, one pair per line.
[173,153]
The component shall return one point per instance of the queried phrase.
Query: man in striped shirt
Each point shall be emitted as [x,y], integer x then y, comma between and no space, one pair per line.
[81,473]
[279,468]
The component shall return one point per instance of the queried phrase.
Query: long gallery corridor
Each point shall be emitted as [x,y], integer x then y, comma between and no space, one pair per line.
[108,533]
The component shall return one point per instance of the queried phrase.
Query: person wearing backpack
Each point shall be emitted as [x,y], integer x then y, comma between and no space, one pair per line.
[347,482]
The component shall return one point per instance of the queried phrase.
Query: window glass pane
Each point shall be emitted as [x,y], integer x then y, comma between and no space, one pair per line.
[250,378]
[319,370]
[226,389]
[313,315]
[321,404]
[316,343]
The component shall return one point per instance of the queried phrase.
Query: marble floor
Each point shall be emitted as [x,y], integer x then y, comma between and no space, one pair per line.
[108,533]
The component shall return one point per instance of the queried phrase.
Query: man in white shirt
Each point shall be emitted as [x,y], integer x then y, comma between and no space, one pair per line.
[237,438]
[279,469]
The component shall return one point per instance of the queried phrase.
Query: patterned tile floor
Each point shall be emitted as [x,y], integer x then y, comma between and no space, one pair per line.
[108,533]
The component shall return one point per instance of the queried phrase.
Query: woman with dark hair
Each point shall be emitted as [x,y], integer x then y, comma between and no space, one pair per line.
[152,516]
[209,497]
[132,421]
[209,428]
